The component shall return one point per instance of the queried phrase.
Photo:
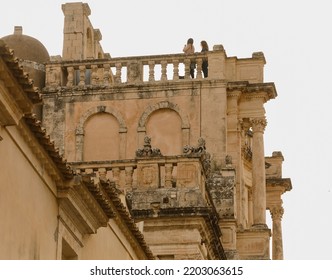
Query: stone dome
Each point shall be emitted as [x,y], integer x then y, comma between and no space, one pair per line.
[26,47]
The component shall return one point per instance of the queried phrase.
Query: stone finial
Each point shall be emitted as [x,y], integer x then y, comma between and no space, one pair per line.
[218,47]
[195,151]
[278,154]
[258,55]
[200,151]
[18,30]
[147,151]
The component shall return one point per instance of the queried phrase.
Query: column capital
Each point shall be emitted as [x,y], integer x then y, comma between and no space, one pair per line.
[277,212]
[258,124]
[244,124]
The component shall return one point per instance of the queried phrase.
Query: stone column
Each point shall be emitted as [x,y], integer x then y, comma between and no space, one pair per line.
[277,248]
[258,172]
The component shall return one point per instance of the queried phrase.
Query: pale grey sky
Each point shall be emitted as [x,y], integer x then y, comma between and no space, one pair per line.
[295,37]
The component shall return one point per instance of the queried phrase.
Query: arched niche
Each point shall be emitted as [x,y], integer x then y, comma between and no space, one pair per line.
[102,111]
[162,108]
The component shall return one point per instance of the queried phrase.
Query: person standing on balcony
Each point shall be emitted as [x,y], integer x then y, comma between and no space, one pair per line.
[190,49]
[205,64]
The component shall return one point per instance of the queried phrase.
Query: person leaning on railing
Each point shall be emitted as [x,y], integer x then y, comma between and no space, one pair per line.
[205,64]
[190,49]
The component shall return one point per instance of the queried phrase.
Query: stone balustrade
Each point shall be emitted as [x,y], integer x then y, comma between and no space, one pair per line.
[125,70]
[148,172]
[114,72]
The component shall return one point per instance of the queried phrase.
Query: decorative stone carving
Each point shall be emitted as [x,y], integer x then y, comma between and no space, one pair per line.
[258,124]
[133,72]
[148,176]
[221,190]
[101,109]
[247,152]
[147,151]
[52,78]
[277,212]
[195,151]
[228,161]
[200,151]
[187,175]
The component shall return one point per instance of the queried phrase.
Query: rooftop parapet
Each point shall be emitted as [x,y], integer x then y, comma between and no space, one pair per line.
[103,73]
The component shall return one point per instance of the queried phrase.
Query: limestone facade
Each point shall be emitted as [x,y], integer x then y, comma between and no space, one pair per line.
[185,156]
[47,211]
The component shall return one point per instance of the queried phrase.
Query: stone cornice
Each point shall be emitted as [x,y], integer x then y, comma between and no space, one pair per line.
[284,183]
[265,91]
[140,90]
[78,203]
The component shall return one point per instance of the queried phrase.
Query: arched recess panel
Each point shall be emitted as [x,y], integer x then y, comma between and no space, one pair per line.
[101,138]
[164,126]
[89,45]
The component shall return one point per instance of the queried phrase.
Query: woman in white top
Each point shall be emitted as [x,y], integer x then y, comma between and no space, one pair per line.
[190,49]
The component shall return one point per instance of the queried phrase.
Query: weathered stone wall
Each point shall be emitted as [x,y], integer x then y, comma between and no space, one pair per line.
[110,243]
[135,109]
[28,204]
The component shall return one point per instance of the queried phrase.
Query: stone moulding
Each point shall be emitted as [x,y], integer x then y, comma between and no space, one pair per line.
[101,109]
[266,91]
[209,216]
[79,132]
[162,105]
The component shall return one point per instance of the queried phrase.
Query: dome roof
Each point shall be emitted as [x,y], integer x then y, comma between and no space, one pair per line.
[26,47]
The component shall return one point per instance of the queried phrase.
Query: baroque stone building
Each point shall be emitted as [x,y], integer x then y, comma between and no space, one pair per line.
[159,164]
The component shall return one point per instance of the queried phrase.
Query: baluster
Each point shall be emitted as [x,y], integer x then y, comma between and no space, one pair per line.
[199,62]
[187,68]
[94,75]
[82,69]
[168,175]
[118,73]
[151,71]
[129,176]
[163,71]
[175,70]
[102,172]
[116,176]
[70,77]
[107,74]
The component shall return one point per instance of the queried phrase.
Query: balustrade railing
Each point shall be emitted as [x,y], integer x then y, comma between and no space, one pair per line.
[154,172]
[115,71]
